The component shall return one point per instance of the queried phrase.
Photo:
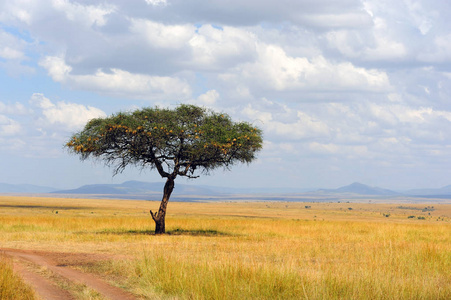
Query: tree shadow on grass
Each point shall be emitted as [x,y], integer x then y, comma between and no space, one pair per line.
[177,231]
[126,232]
[197,232]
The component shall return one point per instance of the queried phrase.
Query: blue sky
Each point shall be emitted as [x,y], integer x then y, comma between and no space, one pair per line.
[344,90]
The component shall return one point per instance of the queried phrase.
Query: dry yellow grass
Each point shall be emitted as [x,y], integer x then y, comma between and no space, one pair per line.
[12,286]
[249,250]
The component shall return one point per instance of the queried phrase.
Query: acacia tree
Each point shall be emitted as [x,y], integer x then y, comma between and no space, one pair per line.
[186,141]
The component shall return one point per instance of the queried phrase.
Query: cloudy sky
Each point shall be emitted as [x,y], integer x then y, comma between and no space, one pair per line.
[344,90]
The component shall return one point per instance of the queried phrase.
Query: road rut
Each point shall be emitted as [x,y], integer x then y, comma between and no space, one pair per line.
[59,263]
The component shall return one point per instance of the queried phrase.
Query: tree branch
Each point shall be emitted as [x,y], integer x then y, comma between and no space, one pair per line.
[154,215]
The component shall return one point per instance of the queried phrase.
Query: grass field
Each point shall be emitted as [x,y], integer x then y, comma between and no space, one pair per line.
[12,286]
[247,250]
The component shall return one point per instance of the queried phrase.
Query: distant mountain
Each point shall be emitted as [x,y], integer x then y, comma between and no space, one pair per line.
[361,189]
[260,190]
[153,190]
[94,189]
[135,188]
[24,188]
[140,187]
[444,191]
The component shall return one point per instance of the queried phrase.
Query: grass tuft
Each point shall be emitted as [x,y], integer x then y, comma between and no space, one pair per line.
[12,286]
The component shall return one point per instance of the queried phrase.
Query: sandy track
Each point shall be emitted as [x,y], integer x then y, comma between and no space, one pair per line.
[59,264]
[43,287]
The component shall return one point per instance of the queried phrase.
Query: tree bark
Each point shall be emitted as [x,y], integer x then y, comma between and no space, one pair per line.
[159,217]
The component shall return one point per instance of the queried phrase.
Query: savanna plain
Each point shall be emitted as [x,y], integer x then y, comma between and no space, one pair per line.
[233,250]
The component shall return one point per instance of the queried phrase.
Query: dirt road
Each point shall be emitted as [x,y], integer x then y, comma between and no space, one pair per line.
[60,264]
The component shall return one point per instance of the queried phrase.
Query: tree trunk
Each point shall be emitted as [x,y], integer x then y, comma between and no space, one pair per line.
[159,217]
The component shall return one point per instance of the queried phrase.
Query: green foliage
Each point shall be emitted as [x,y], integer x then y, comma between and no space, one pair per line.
[175,142]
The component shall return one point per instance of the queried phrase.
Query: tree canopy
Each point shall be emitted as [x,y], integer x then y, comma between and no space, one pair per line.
[185,141]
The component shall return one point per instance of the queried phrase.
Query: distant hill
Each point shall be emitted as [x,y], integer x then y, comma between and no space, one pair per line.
[140,188]
[24,188]
[361,189]
[134,188]
[153,190]
[444,191]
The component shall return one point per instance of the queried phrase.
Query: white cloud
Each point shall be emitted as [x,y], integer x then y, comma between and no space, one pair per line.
[401,114]
[13,109]
[156,2]
[69,116]
[11,47]
[410,30]
[322,14]
[39,101]
[11,144]
[422,16]
[306,126]
[441,52]
[376,44]
[203,47]
[118,82]
[160,51]
[56,68]
[13,54]
[48,11]
[9,53]
[219,48]
[85,15]
[209,98]
[385,47]
[278,126]
[341,151]
[323,148]
[257,115]
[9,127]
[337,20]
[39,128]
[274,69]
[159,35]
[386,132]
[11,10]
[136,85]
